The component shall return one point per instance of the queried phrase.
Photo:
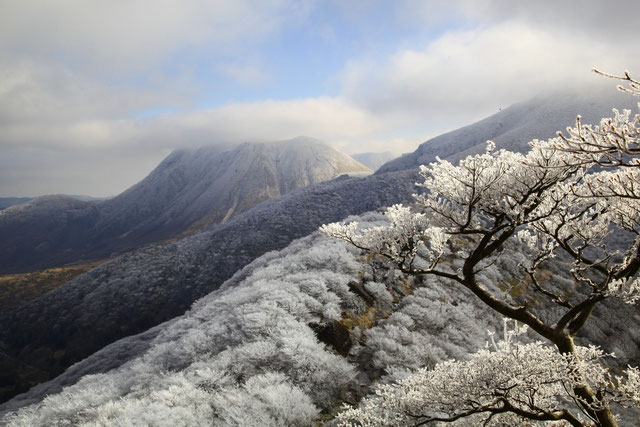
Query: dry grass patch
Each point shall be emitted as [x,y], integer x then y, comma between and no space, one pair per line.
[17,289]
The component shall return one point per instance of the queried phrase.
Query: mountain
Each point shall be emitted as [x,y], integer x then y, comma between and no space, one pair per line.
[46,231]
[374,160]
[291,337]
[6,202]
[191,188]
[141,289]
[260,323]
[513,127]
[188,191]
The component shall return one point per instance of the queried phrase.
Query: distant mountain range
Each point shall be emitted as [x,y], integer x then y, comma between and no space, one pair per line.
[188,191]
[221,193]
[374,160]
[6,202]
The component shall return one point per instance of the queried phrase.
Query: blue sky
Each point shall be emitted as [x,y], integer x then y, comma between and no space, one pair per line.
[94,94]
[301,59]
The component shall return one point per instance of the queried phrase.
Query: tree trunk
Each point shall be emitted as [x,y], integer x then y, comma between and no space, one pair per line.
[603,415]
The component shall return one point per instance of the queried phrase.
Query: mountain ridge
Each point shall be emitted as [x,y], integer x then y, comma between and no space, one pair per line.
[512,128]
[187,191]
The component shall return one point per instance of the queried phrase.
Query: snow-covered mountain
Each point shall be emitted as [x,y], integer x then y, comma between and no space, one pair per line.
[258,334]
[287,339]
[144,288]
[6,202]
[189,190]
[205,186]
[235,347]
[513,127]
[374,160]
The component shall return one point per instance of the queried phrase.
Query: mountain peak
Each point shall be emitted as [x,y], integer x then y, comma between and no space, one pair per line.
[188,191]
[512,128]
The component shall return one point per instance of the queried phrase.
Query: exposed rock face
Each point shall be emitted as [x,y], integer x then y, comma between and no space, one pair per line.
[513,127]
[188,191]
[334,334]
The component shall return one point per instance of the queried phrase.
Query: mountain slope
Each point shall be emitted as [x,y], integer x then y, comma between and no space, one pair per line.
[513,127]
[144,288]
[271,332]
[6,202]
[205,186]
[260,323]
[189,190]
[45,231]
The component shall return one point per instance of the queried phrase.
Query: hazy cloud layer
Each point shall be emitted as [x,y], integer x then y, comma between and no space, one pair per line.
[88,88]
[470,74]
[123,36]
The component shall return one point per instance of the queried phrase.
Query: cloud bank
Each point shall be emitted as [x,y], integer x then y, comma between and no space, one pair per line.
[88,88]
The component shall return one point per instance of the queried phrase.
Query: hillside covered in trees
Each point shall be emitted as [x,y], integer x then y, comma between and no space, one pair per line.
[397,313]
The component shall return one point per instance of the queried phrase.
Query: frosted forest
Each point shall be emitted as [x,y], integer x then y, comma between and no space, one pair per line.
[505,295]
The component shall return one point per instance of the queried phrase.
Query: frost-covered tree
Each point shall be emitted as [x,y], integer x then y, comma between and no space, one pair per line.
[567,198]
[503,383]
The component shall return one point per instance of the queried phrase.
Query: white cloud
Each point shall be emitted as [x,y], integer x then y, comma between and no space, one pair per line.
[611,21]
[324,117]
[121,36]
[245,74]
[75,73]
[464,76]
[65,151]
[96,171]
[40,92]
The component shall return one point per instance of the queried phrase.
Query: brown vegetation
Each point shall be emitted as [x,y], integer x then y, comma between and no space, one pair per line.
[16,289]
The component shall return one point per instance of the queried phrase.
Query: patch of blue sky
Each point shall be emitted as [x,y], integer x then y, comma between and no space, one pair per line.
[302,59]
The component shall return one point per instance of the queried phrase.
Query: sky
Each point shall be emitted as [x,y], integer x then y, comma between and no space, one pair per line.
[94,94]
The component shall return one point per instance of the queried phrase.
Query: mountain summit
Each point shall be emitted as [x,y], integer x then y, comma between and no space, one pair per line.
[191,189]
[188,191]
